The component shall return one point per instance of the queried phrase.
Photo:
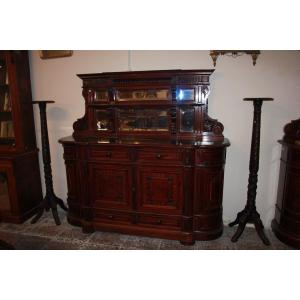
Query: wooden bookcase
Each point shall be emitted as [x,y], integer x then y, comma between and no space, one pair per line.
[146,158]
[20,182]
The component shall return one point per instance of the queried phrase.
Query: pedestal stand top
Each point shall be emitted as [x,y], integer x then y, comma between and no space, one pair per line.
[258,99]
[43,101]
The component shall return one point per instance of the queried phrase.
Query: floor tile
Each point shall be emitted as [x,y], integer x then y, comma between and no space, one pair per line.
[46,235]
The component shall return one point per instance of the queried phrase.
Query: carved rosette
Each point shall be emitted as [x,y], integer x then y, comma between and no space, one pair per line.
[292,131]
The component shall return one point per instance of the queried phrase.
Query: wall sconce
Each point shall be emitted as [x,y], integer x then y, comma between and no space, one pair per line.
[234,53]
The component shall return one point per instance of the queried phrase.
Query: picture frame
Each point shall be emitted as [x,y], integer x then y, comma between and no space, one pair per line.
[49,54]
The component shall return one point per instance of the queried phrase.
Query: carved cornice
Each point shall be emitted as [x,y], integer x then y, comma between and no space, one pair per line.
[188,79]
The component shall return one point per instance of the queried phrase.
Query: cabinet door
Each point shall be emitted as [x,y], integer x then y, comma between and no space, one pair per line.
[208,189]
[160,189]
[110,185]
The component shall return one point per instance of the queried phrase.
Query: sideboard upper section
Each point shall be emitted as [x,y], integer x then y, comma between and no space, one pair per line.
[161,104]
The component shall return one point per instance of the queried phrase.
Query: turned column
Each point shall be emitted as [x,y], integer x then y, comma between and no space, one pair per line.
[50,200]
[250,214]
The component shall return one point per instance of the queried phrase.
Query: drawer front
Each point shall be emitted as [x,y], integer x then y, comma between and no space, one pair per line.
[103,215]
[160,155]
[109,153]
[210,156]
[160,221]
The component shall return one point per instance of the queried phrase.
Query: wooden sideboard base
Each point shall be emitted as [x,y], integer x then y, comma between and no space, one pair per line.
[185,238]
[208,235]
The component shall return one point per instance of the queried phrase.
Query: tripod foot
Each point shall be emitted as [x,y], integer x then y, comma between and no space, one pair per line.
[55,216]
[50,202]
[249,216]
[60,203]
[238,232]
[260,229]
[237,220]
[38,215]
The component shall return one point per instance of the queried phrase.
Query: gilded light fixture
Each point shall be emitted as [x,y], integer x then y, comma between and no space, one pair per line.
[234,53]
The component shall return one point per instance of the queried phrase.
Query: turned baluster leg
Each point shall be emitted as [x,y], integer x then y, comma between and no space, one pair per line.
[250,214]
[50,200]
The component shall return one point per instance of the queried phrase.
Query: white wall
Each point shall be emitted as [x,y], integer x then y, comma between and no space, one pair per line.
[276,74]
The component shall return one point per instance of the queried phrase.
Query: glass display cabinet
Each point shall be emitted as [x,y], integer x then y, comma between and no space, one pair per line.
[146,158]
[20,184]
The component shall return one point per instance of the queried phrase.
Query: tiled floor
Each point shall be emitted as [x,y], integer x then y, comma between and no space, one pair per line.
[46,235]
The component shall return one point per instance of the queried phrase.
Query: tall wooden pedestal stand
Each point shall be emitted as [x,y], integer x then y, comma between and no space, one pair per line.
[50,200]
[250,214]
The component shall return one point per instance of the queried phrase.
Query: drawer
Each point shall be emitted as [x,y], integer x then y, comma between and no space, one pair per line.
[160,220]
[210,156]
[108,153]
[159,154]
[102,215]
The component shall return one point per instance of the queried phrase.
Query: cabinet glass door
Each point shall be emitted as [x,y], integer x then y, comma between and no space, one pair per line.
[6,123]
[4,196]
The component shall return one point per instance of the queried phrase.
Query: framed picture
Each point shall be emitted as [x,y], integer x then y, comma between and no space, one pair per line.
[47,54]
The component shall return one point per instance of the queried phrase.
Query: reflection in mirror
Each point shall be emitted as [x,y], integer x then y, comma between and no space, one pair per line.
[186,119]
[149,94]
[101,95]
[143,120]
[104,120]
[185,95]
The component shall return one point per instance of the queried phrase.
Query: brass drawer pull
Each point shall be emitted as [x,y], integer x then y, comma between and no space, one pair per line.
[159,221]
[109,154]
[111,217]
[158,156]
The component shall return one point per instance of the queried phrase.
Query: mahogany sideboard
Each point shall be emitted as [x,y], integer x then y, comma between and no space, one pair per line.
[146,158]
